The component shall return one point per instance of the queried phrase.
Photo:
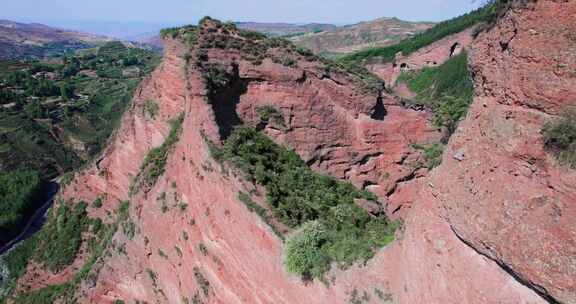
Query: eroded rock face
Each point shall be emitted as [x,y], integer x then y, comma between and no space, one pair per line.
[194,239]
[505,195]
[330,122]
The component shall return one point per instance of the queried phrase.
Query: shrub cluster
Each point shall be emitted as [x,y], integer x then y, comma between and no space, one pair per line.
[447,90]
[432,154]
[155,161]
[62,236]
[322,206]
[18,259]
[560,137]
[19,191]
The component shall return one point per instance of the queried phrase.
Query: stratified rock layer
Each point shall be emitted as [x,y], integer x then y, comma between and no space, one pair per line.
[508,197]
[472,221]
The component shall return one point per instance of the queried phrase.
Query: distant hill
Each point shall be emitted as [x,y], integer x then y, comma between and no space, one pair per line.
[328,38]
[351,38]
[285,29]
[20,40]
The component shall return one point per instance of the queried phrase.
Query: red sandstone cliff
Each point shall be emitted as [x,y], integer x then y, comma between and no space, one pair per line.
[495,226]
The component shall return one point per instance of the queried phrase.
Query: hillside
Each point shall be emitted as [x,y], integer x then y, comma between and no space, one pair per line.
[20,40]
[328,39]
[57,114]
[350,38]
[249,170]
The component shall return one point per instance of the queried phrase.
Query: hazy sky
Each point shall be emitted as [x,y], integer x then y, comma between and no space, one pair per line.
[188,11]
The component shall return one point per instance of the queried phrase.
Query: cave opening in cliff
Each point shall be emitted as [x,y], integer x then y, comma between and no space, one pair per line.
[379,111]
[225,101]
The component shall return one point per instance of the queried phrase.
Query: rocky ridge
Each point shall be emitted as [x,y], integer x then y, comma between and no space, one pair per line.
[447,243]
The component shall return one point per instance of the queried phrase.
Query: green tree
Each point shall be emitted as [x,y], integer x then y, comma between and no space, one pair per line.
[66,90]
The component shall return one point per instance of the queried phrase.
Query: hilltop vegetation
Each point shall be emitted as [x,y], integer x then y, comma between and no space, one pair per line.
[350,38]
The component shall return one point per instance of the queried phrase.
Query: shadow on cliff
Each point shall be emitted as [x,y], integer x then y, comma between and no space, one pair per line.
[225,101]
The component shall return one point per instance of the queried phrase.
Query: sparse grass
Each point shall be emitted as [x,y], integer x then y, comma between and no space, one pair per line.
[203,249]
[162,254]
[560,137]
[432,154]
[151,108]
[202,282]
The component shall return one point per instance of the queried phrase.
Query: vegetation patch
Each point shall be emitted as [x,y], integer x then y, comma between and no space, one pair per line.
[269,113]
[18,260]
[447,90]
[560,137]
[19,192]
[432,154]
[332,228]
[82,94]
[152,108]
[155,162]
[62,236]
[202,282]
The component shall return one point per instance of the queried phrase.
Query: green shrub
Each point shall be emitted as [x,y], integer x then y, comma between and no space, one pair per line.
[15,262]
[60,240]
[298,197]
[268,113]
[151,108]
[97,203]
[447,90]
[155,161]
[560,137]
[19,192]
[432,154]
[215,77]
[304,254]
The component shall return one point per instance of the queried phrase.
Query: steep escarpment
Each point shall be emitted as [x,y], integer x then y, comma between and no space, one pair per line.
[186,231]
[507,196]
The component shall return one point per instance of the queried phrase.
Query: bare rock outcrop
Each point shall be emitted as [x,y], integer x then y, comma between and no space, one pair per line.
[469,224]
[508,197]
